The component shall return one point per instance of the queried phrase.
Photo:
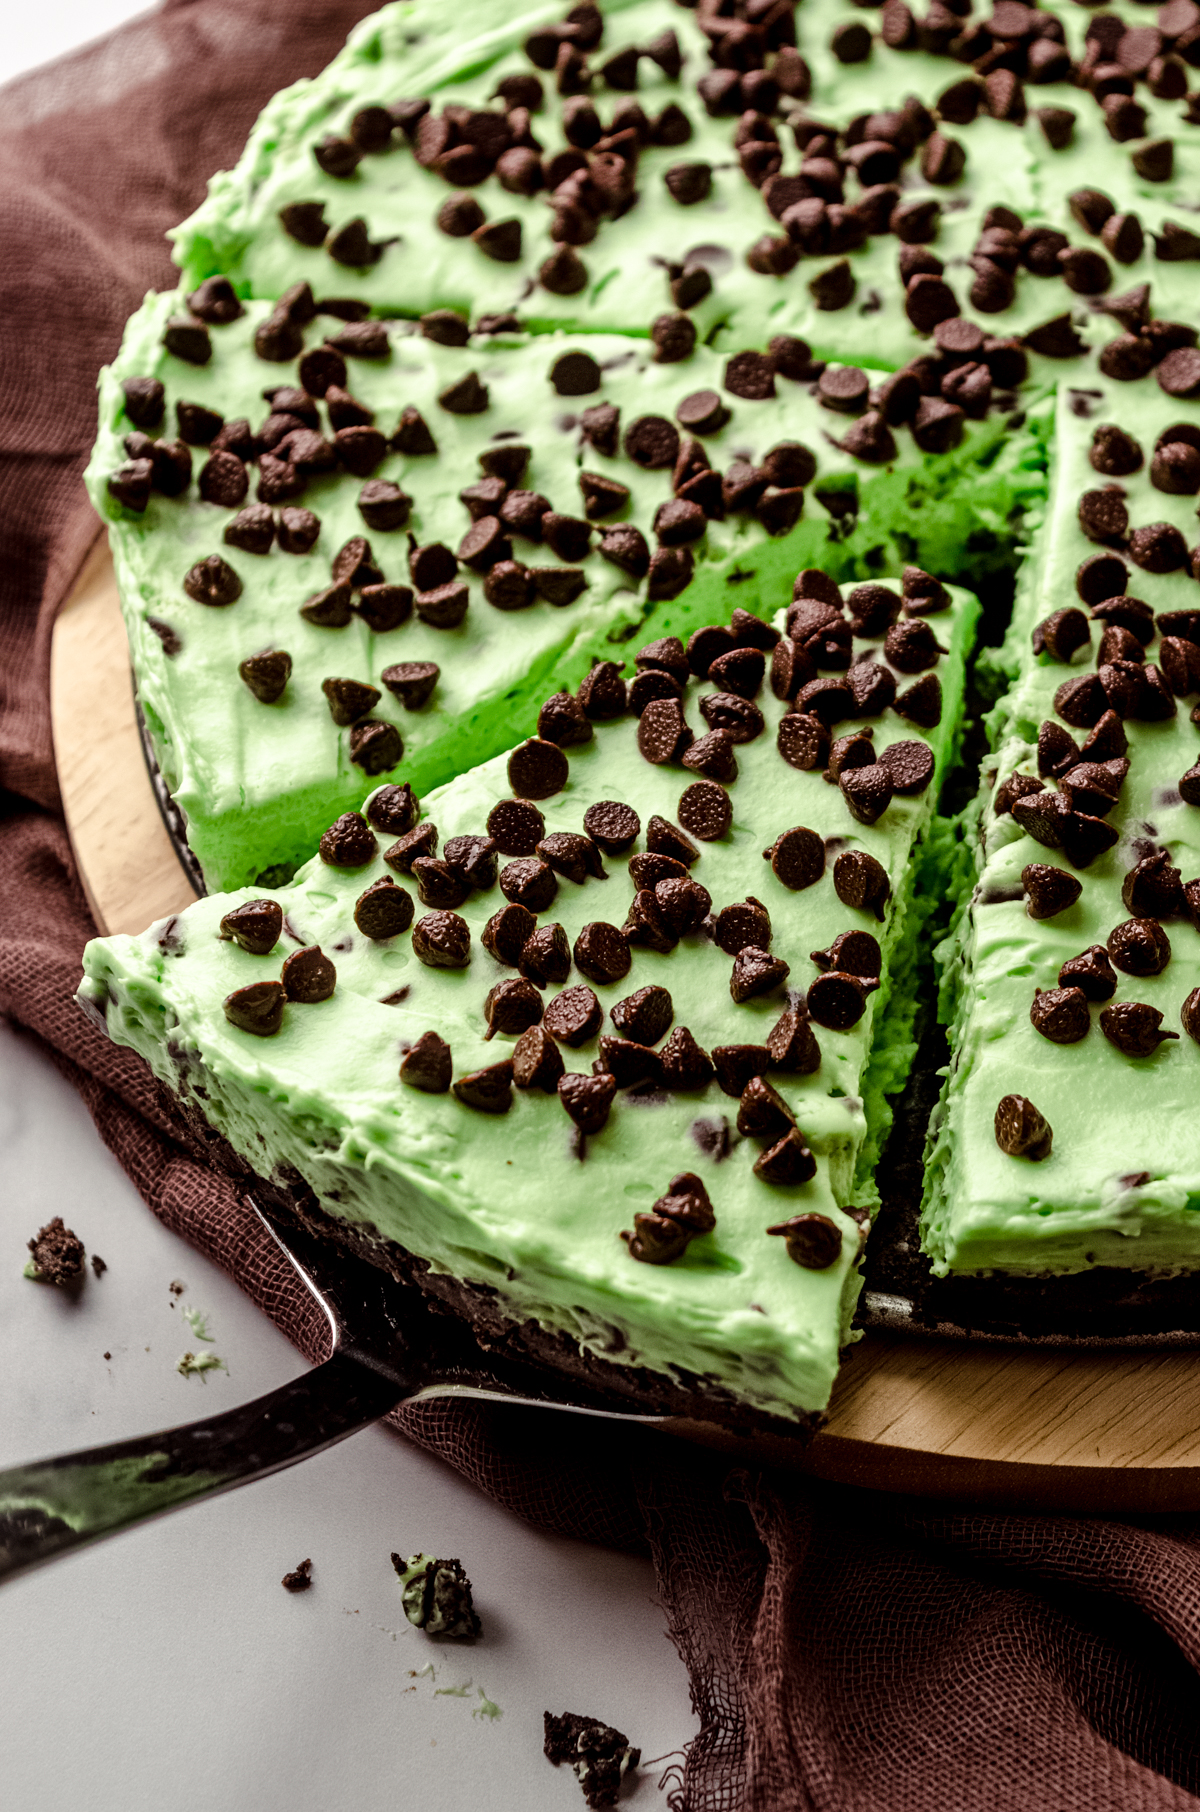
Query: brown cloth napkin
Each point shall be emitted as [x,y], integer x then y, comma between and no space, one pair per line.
[847,1651]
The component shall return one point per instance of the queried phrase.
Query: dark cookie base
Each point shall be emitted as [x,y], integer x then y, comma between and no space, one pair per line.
[629,1388]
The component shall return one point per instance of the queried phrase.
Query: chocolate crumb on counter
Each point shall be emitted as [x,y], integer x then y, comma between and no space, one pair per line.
[57,1254]
[300,1580]
[600,1756]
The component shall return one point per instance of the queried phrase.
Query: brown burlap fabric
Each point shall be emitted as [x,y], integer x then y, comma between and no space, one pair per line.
[847,1652]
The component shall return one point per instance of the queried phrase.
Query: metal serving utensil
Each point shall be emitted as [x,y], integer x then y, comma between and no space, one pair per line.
[386,1346]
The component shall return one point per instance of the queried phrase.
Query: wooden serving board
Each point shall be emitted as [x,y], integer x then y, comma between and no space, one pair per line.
[1112,1431]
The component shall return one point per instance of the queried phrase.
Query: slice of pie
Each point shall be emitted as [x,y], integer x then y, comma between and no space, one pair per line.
[595,1040]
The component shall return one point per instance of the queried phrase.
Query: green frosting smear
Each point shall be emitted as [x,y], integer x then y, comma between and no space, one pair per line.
[508,1201]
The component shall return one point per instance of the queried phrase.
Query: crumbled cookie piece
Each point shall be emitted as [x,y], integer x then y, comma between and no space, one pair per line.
[300,1580]
[436,1595]
[58,1254]
[600,1755]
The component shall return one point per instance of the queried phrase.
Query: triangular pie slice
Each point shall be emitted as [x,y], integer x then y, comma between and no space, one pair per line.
[686,910]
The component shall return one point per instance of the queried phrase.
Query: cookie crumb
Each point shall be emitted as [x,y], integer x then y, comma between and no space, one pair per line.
[108,1355]
[177,1286]
[300,1580]
[58,1254]
[436,1595]
[98,1265]
[600,1755]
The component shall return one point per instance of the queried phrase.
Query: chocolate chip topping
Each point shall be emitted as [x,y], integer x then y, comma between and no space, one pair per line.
[702,412]
[1092,973]
[212,581]
[537,1061]
[813,1240]
[412,682]
[144,401]
[1189,1015]
[746,923]
[705,809]
[507,932]
[713,756]
[349,699]
[1153,888]
[837,1000]
[574,1016]
[867,791]
[298,529]
[803,741]
[529,882]
[587,1099]
[308,975]
[663,733]
[537,769]
[442,940]
[511,1007]
[395,810]
[428,1066]
[853,953]
[375,747]
[737,1064]
[1021,1131]
[1061,1014]
[792,1046]
[349,842]
[762,1111]
[546,956]
[1061,633]
[267,674]
[602,693]
[611,825]
[756,972]
[329,609]
[516,827]
[1139,947]
[1048,891]
[1134,1028]
[255,927]
[383,911]
[256,1008]
[601,953]
[652,442]
[488,1090]
[910,765]
[437,883]
[412,435]
[571,855]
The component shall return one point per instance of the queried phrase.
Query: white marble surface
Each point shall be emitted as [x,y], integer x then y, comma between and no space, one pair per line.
[166,1669]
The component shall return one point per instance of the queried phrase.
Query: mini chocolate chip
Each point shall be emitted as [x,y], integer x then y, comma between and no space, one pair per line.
[384,911]
[516,827]
[750,375]
[1158,548]
[803,740]
[910,765]
[1092,972]
[507,933]
[1021,1131]
[611,825]
[601,953]
[1061,633]
[420,840]
[813,1240]
[573,1017]
[663,734]
[747,923]
[867,791]
[587,1099]
[187,340]
[349,842]
[756,972]
[682,905]
[1061,1015]
[558,585]
[329,609]
[442,940]
[144,401]
[537,769]
[739,718]
[570,538]
[1178,373]
[649,869]
[528,881]
[412,436]
[736,1065]
[412,682]
[511,1007]
[308,975]
[394,809]
[427,1065]
[212,581]
[267,674]
[256,1008]
[1139,947]
[791,1044]
[1189,1015]
[1133,1027]
[601,496]
[922,703]
[833,288]
[572,856]
[537,1061]
[349,699]
[1153,889]
[652,442]
[298,529]
[602,694]
[762,1111]
[644,1016]
[1048,891]
[1175,468]
[254,927]
[438,884]
[627,1062]
[705,809]
[702,412]
[467,395]
[859,880]
[685,1065]
[837,1000]
[488,1090]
